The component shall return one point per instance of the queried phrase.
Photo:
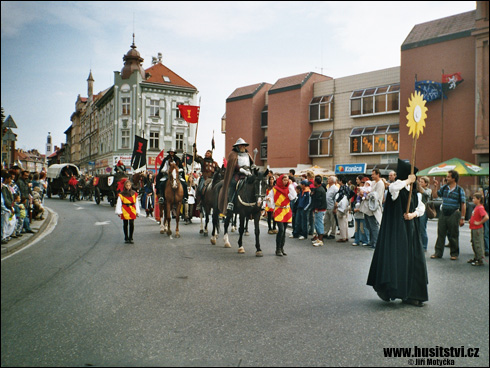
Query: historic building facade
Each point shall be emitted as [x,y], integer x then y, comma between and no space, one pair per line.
[140,103]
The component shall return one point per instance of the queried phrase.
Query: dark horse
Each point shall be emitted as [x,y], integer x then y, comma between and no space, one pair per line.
[248,204]
[206,199]
[111,185]
[174,193]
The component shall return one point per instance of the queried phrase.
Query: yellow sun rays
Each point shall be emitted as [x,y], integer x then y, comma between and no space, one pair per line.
[416,114]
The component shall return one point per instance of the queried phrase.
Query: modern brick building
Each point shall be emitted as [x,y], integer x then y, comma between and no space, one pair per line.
[311,119]
[456,126]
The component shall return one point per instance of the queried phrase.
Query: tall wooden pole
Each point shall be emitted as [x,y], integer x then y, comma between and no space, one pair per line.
[412,163]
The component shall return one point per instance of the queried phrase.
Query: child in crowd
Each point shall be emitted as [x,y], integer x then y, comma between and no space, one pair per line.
[19,210]
[24,205]
[478,217]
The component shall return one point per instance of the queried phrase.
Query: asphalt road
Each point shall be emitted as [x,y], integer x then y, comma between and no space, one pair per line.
[81,297]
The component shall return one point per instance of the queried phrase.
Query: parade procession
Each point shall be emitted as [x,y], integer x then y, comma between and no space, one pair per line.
[338,217]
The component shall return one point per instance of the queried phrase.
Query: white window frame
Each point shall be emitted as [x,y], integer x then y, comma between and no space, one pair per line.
[125,137]
[154,141]
[155,108]
[365,132]
[318,103]
[369,95]
[126,105]
[179,141]
[320,137]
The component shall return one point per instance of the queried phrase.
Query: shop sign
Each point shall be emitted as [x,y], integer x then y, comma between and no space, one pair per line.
[350,169]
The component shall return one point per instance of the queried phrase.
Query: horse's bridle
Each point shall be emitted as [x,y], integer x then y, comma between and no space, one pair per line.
[258,197]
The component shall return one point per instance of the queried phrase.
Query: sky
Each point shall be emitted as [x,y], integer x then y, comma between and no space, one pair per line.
[48,49]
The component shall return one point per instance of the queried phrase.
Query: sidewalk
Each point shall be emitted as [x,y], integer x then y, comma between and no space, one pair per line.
[38,226]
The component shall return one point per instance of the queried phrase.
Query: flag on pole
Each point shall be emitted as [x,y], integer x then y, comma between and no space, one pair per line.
[189,113]
[138,159]
[431,90]
[187,159]
[450,81]
[212,142]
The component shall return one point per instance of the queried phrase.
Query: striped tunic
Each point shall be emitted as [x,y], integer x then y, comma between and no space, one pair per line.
[282,208]
[128,207]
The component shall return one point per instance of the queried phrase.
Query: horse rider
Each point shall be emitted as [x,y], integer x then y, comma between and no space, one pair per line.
[163,175]
[239,165]
[120,167]
[208,167]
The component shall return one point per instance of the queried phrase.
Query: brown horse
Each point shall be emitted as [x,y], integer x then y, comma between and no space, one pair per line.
[174,193]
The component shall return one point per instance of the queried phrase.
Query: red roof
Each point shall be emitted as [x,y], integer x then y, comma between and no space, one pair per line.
[158,71]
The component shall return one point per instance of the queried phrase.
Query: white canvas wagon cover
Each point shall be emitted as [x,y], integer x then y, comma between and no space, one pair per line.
[54,171]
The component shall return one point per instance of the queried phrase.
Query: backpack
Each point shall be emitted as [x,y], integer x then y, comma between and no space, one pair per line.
[373,202]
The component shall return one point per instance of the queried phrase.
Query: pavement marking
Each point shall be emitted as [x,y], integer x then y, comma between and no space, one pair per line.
[102,223]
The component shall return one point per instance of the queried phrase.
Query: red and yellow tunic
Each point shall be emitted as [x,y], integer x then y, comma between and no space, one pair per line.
[128,207]
[282,210]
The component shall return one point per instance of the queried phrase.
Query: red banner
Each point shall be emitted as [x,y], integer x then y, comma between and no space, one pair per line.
[189,113]
[159,160]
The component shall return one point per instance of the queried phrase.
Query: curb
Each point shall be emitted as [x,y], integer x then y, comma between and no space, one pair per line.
[39,226]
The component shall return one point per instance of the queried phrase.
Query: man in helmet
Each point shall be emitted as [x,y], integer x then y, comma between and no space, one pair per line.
[239,165]
[161,178]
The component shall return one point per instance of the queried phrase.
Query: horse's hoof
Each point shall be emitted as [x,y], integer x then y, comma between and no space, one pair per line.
[241,250]
[227,245]
[213,241]
[259,254]
[233,229]
[246,233]
[177,235]
[162,231]
[201,231]
[169,233]
[205,234]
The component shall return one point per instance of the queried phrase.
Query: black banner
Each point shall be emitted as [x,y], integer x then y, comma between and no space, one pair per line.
[139,152]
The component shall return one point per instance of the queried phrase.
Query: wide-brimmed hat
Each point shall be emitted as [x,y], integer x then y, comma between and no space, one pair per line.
[240,142]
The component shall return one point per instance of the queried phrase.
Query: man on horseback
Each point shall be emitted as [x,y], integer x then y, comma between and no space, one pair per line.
[163,175]
[208,167]
[238,167]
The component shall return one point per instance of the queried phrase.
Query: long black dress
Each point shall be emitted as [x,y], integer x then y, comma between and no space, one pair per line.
[398,268]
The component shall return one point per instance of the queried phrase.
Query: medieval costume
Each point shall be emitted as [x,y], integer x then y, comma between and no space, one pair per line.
[161,179]
[128,208]
[120,167]
[208,167]
[398,268]
[280,198]
[72,184]
[238,167]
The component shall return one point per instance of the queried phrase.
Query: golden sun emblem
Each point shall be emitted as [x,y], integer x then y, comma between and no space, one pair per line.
[416,114]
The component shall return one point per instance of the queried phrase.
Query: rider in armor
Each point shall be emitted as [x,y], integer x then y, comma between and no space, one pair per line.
[163,173]
[238,167]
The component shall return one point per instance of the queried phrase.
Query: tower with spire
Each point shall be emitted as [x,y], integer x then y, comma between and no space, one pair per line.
[49,145]
[90,86]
